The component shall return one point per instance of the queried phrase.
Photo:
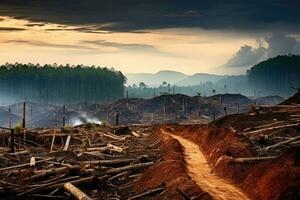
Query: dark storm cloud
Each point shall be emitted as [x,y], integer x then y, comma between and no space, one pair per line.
[124,46]
[277,44]
[134,47]
[11,29]
[46,44]
[35,24]
[80,29]
[134,15]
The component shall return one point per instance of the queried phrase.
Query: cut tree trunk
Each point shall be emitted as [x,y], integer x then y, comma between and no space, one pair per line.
[280,143]
[67,143]
[50,172]
[53,139]
[250,159]
[149,192]
[109,162]
[78,194]
[250,133]
[127,168]
[32,162]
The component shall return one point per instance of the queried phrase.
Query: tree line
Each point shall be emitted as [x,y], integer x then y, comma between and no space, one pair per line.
[63,84]
[276,76]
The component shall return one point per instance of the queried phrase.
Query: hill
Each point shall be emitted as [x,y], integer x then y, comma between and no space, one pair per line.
[276,76]
[172,77]
[295,99]
[199,77]
[155,79]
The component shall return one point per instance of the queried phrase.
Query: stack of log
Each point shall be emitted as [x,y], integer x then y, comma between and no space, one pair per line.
[291,109]
[83,163]
[271,135]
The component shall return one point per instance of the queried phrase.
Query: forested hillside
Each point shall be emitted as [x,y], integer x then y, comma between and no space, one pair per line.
[276,76]
[59,84]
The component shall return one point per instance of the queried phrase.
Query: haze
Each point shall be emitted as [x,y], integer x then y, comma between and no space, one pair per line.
[183,38]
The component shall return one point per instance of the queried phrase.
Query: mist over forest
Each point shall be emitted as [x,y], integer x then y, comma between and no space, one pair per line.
[77,84]
[59,84]
[276,76]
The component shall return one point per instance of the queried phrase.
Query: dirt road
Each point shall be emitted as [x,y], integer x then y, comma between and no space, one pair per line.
[200,171]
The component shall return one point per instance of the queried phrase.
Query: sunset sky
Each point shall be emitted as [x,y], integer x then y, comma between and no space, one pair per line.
[149,36]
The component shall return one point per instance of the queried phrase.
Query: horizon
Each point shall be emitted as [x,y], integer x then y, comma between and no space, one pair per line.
[188,37]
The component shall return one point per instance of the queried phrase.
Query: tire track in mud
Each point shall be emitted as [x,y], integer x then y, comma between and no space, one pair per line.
[200,171]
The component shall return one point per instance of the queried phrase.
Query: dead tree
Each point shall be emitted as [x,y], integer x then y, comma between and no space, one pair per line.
[24,114]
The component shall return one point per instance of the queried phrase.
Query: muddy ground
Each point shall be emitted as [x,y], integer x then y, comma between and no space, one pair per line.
[172,108]
[253,155]
[166,177]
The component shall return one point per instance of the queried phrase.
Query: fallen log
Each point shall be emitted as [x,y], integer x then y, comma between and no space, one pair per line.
[53,139]
[149,192]
[67,143]
[109,162]
[40,196]
[127,168]
[286,111]
[280,143]
[18,153]
[32,162]
[85,180]
[95,154]
[78,194]
[115,148]
[267,125]
[24,165]
[122,174]
[271,128]
[50,172]
[135,134]
[114,137]
[100,149]
[298,115]
[251,159]
[48,185]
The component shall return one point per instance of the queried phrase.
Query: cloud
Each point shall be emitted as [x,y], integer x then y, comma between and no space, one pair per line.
[280,44]
[35,24]
[46,44]
[246,56]
[277,44]
[136,15]
[123,46]
[191,13]
[79,29]
[11,29]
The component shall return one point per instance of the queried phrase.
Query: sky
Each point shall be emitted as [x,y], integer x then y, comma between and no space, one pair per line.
[137,36]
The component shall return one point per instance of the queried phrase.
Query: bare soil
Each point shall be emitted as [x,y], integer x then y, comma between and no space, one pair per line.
[273,179]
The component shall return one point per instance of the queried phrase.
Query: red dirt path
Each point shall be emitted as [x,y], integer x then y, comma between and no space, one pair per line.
[274,179]
[170,171]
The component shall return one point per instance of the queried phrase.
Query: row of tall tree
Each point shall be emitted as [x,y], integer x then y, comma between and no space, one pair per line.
[59,84]
[276,76]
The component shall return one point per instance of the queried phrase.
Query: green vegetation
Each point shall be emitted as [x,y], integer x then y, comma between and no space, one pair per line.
[276,76]
[59,84]
[229,84]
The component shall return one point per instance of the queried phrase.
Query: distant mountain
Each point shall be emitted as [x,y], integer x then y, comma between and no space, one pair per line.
[293,99]
[4,118]
[171,77]
[199,77]
[155,79]
[269,100]
[234,84]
